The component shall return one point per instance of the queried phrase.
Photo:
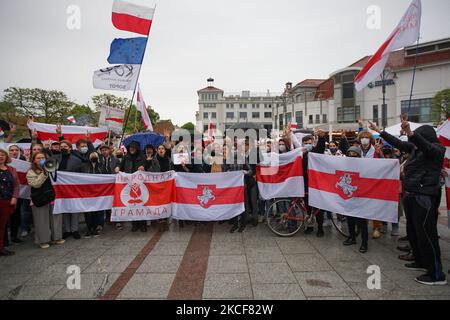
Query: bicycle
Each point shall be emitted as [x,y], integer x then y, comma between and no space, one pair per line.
[286,217]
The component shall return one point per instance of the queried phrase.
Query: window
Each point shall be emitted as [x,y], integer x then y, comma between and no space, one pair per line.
[242,106]
[310,119]
[348,91]
[317,118]
[213,115]
[229,106]
[267,106]
[281,122]
[255,106]
[209,106]
[205,128]
[375,114]
[230,115]
[242,115]
[255,115]
[268,115]
[205,115]
[288,117]
[299,119]
[348,114]
[324,118]
[420,110]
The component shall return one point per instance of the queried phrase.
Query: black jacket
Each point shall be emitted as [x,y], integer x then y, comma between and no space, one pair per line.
[43,195]
[165,164]
[319,148]
[426,157]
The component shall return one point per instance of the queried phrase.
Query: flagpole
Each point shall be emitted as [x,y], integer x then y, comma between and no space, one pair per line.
[414,75]
[137,80]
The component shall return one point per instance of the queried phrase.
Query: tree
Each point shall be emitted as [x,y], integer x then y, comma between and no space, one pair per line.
[49,106]
[110,100]
[188,126]
[84,115]
[135,119]
[441,105]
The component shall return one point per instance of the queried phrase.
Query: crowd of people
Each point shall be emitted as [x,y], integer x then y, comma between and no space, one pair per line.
[421,158]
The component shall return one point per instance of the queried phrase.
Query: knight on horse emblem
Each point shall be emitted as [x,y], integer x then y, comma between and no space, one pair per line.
[206,196]
[345,184]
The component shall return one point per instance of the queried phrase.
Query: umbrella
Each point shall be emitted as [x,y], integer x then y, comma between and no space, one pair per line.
[145,139]
[4,125]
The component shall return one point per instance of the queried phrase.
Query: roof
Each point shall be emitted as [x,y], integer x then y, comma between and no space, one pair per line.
[310,83]
[399,60]
[210,89]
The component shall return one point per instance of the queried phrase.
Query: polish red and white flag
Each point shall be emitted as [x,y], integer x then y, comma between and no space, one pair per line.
[143,196]
[79,192]
[209,197]
[22,168]
[406,33]
[363,188]
[142,108]
[130,17]
[281,175]
[447,193]
[47,132]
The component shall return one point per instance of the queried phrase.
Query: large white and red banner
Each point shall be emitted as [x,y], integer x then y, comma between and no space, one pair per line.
[364,188]
[406,33]
[22,168]
[281,175]
[130,17]
[47,132]
[209,197]
[79,192]
[143,196]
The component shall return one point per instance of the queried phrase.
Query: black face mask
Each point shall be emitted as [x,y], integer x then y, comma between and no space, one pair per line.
[65,152]
[56,152]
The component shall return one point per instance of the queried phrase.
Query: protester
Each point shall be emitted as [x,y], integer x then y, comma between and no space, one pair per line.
[108,163]
[9,193]
[421,198]
[48,227]
[308,146]
[352,222]
[92,218]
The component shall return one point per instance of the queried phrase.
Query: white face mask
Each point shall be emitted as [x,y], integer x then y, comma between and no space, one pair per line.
[365,141]
[282,148]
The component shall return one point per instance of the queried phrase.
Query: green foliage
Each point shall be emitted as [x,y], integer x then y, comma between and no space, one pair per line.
[441,105]
[188,126]
[135,124]
[110,100]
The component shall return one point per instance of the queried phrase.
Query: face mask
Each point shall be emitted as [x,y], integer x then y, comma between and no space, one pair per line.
[84,150]
[42,163]
[65,151]
[282,148]
[365,141]
[333,150]
[56,152]
[308,147]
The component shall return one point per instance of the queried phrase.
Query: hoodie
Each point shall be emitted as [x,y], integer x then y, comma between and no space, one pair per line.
[131,162]
[426,157]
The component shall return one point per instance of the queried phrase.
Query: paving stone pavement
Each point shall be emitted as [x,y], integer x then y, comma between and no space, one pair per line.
[254,264]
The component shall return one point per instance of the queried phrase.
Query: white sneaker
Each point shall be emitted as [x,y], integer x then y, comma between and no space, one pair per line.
[24,234]
[44,245]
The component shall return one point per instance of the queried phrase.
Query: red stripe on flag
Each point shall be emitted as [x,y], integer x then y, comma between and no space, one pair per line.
[447,193]
[376,57]
[71,137]
[232,195]
[114,119]
[444,141]
[131,23]
[281,173]
[73,191]
[381,189]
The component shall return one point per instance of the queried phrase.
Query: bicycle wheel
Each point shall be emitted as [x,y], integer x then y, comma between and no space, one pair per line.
[340,223]
[285,217]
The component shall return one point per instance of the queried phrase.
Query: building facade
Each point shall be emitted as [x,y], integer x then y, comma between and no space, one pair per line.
[335,104]
[224,110]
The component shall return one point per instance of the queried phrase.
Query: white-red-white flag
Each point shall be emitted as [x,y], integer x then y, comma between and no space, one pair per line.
[142,108]
[79,192]
[209,197]
[364,188]
[443,133]
[71,119]
[22,168]
[406,33]
[447,193]
[281,175]
[47,132]
[143,196]
[130,17]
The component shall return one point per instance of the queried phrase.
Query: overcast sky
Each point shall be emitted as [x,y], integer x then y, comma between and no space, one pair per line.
[243,44]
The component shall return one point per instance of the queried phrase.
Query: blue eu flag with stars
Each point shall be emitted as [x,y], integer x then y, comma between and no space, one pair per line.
[127,51]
